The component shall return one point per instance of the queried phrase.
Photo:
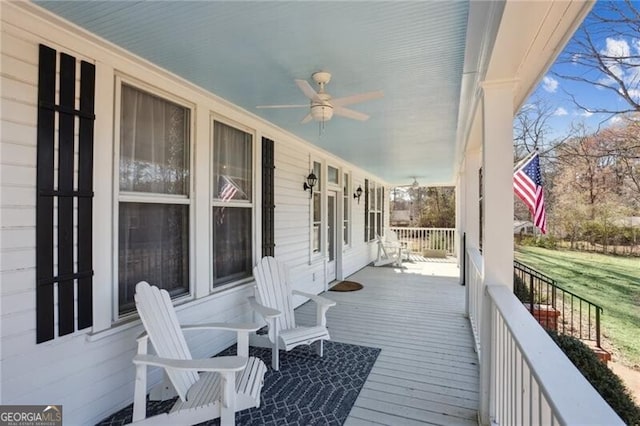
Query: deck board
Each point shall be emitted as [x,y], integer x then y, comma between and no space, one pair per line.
[427,371]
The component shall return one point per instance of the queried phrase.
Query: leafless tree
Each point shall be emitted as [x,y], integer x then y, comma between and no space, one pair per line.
[606,55]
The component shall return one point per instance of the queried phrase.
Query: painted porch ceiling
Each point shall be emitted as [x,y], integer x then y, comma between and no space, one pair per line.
[250,53]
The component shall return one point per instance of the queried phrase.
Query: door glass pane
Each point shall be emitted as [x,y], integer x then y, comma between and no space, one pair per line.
[153,246]
[154,141]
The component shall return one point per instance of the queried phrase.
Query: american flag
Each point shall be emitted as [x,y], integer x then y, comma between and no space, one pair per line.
[228,189]
[527,184]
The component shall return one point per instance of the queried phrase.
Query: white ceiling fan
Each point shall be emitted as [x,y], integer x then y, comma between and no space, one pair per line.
[323,106]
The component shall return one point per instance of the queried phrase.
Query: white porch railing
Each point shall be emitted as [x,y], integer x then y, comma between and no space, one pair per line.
[525,379]
[420,240]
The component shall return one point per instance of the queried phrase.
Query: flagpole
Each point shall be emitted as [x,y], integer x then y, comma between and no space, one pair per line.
[525,159]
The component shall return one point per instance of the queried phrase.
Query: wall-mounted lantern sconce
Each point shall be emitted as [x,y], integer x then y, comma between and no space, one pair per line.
[310,183]
[358,193]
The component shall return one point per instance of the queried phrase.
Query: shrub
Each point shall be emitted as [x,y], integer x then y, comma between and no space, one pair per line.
[547,242]
[605,381]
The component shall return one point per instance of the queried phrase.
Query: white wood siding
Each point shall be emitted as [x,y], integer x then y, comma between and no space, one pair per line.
[90,371]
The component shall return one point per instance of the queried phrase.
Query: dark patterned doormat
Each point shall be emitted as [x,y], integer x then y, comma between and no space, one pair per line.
[308,390]
[346,286]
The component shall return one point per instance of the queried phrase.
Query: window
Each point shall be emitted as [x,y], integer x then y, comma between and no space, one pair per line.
[317,209]
[153,197]
[232,203]
[332,175]
[373,210]
[346,203]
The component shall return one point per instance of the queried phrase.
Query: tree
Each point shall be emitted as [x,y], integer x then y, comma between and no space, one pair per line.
[608,54]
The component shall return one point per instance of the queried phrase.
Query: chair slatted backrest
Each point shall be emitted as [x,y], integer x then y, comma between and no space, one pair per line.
[161,323]
[274,291]
[391,236]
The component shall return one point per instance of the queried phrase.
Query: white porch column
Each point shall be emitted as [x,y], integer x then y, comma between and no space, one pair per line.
[472,164]
[497,231]
[459,190]
[497,169]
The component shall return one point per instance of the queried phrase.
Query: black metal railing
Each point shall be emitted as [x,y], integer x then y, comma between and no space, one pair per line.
[555,308]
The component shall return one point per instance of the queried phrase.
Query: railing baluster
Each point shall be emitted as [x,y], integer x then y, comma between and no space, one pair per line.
[564,304]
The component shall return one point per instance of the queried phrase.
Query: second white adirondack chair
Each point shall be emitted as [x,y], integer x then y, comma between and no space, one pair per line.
[225,384]
[274,303]
[388,253]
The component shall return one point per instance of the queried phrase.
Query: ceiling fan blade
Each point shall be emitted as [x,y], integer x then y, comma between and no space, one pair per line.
[282,106]
[349,113]
[354,99]
[306,119]
[308,90]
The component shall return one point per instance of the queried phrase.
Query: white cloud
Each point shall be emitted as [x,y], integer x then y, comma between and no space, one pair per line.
[616,48]
[560,111]
[550,84]
[615,119]
[635,94]
[582,113]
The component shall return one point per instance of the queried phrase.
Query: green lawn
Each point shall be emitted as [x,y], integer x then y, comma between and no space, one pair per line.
[609,281]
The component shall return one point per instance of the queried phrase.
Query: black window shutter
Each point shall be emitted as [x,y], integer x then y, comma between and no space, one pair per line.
[268,200]
[68,273]
[366,210]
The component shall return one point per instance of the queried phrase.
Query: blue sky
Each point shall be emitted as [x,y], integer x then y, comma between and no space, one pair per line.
[555,92]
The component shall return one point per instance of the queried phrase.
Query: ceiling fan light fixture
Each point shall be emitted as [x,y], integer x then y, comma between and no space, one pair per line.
[321,112]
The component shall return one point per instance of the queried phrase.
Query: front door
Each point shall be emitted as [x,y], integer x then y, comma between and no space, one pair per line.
[331,235]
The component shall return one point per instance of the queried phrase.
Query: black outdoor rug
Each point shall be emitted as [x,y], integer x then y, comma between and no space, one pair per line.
[308,390]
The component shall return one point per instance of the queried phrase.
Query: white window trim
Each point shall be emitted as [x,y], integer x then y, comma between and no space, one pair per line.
[255,245]
[126,196]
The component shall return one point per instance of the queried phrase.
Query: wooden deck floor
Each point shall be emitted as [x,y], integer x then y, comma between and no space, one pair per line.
[427,371]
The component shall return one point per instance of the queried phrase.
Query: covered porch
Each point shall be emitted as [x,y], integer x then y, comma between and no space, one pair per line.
[453,74]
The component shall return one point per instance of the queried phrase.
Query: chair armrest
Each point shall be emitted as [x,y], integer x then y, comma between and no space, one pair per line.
[318,299]
[267,313]
[248,327]
[223,364]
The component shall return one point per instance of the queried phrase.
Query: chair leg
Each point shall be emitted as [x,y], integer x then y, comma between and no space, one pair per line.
[275,355]
[320,348]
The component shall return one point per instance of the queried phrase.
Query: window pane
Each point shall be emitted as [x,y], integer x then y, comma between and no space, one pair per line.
[379,198]
[317,170]
[332,175]
[316,238]
[345,185]
[232,163]
[372,196]
[345,233]
[316,207]
[372,226]
[154,141]
[153,245]
[231,243]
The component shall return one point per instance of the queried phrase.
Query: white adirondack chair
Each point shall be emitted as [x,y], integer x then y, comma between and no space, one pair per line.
[392,240]
[273,301]
[225,384]
[388,253]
